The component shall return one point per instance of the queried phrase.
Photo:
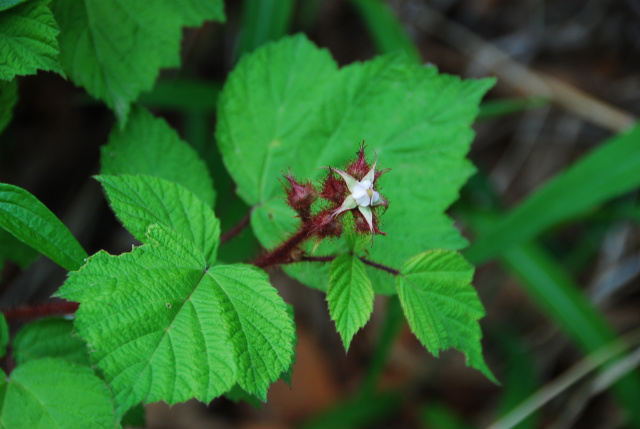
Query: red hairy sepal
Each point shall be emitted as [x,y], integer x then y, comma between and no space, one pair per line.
[325,224]
[360,167]
[334,189]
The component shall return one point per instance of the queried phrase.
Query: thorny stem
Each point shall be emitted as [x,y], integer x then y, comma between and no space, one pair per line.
[283,254]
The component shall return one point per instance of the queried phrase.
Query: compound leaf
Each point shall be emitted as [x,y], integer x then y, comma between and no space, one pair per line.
[142,201]
[51,393]
[30,221]
[441,306]
[350,296]
[162,324]
[115,49]
[50,337]
[148,145]
[288,105]
[28,40]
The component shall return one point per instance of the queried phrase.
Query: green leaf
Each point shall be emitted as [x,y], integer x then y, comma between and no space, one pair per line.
[441,306]
[147,145]
[50,337]
[8,99]
[162,324]
[142,201]
[51,393]
[288,105]
[15,250]
[28,40]
[7,4]
[115,49]
[605,173]
[4,335]
[32,222]
[350,296]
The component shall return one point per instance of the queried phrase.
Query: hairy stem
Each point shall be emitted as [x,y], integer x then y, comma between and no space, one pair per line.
[283,254]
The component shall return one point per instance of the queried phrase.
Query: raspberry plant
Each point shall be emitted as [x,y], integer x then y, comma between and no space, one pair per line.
[170,320]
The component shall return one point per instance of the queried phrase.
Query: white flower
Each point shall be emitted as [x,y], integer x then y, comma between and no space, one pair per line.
[362,196]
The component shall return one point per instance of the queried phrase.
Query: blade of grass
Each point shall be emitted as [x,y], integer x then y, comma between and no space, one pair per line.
[607,172]
[385,28]
[263,20]
[393,321]
[495,108]
[560,298]
[567,379]
[521,378]
[438,416]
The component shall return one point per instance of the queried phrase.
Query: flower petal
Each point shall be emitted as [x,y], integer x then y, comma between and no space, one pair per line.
[348,204]
[371,174]
[358,191]
[375,198]
[349,180]
[363,201]
[368,216]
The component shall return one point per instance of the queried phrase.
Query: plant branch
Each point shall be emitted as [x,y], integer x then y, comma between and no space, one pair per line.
[382,267]
[390,270]
[40,310]
[237,228]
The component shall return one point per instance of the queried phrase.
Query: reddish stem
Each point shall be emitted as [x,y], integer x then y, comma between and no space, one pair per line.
[283,254]
[41,310]
[236,229]
[390,270]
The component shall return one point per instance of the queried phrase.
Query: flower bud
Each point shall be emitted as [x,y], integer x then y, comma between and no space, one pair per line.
[300,196]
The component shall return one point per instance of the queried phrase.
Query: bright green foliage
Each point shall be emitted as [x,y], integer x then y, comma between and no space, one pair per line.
[607,172]
[163,324]
[50,337]
[441,306]
[142,201]
[28,40]
[350,296]
[147,145]
[288,105]
[8,99]
[31,222]
[51,393]
[114,49]
[4,335]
